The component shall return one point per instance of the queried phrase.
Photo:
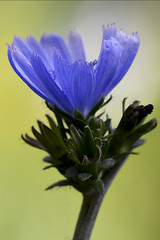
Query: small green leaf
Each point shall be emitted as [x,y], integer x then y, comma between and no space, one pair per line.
[140,131]
[74,157]
[100,115]
[123,105]
[110,128]
[77,141]
[85,161]
[106,126]
[68,118]
[33,142]
[62,129]
[78,115]
[99,141]
[89,142]
[114,145]
[61,183]
[98,154]
[47,167]
[53,162]
[96,107]
[99,186]
[48,159]
[53,125]
[58,111]
[107,101]
[108,163]
[84,176]
[37,134]
[138,143]
[58,131]
[71,172]
[53,144]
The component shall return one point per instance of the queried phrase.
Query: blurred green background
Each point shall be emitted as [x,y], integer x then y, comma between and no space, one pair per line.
[131,207]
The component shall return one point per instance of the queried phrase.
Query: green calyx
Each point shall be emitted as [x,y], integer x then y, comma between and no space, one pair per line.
[85,149]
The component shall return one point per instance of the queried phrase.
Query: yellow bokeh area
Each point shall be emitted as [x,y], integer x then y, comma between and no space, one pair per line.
[131,208]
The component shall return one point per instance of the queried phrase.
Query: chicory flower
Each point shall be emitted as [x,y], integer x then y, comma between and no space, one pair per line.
[59,72]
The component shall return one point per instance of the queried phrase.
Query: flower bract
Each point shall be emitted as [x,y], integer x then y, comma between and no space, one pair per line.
[59,72]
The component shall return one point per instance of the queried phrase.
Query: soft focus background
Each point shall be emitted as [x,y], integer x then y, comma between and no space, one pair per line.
[131,208]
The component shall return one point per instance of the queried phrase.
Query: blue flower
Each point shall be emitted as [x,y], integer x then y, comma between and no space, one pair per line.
[59,73]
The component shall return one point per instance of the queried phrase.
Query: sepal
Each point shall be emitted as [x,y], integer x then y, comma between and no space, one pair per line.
[84,176]
[99,186]
[89,142]
[98,106]
[33,142]
[71,172]
[85,150]
[61,183]
[108,163]
[138,143]
[48,159]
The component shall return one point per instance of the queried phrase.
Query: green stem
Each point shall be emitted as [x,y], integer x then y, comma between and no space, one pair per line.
[89,210]
[91,205]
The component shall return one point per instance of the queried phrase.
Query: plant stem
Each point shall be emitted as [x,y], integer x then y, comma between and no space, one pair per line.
[91,205]
[89,210]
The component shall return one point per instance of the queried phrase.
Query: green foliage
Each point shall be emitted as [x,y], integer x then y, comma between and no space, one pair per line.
[86,150]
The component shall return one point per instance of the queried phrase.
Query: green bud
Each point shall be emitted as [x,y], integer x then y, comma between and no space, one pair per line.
[133,116]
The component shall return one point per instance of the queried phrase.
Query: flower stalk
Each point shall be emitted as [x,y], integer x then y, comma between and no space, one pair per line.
[91,205]
[89,210]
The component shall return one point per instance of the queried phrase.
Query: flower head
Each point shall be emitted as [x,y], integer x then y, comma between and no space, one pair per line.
[59,73]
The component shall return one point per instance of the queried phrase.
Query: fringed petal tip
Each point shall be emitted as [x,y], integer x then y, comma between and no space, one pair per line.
[109,31]
[136,38]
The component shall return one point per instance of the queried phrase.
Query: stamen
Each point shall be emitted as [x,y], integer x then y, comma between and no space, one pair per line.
[94,62]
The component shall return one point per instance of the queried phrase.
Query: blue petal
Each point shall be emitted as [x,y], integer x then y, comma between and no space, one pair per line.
[48,67]
[76,46]
[23,73]
[21,44]
[107,66]
[80,83]
[90,99]
[37,48]
[130,46]
[56,94]
[61,68]
[110,31]
[49,42]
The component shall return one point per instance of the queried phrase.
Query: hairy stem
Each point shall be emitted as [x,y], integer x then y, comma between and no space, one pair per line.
[91,205]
